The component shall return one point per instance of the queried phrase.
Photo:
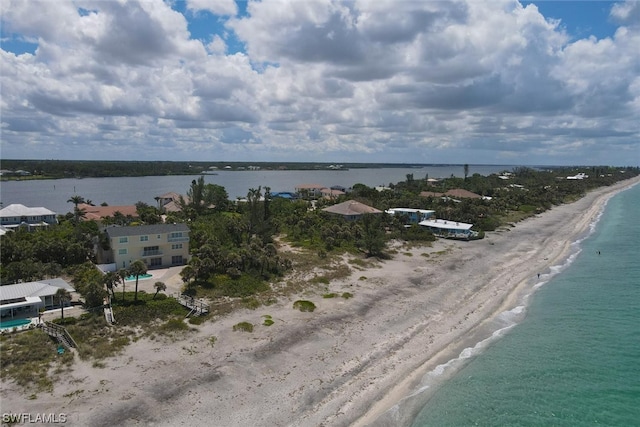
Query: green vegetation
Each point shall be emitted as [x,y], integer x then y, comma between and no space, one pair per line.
[347,295]
[243,327]
[330,295]
[268,321]
[304,306]
[31,359]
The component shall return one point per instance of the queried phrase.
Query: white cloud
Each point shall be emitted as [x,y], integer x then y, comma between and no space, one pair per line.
[217,7]
[365,80]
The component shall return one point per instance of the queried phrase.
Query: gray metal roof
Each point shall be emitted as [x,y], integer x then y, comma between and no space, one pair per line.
[33,289]
[17,209]
[146,229]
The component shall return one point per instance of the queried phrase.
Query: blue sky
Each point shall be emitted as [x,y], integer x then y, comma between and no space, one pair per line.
[499,82]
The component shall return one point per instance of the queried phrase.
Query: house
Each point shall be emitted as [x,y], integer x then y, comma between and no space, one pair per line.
[309,190]
[158,245]
[330,193]
[449,229]
[98,213]
[169,202]
[430,194]
[283,195]
[16,215]
[581,175]
[351,210]
[24,300]
[460,193]
[413,216]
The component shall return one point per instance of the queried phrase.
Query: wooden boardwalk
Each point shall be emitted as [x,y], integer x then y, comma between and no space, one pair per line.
[197,307]
[60,333]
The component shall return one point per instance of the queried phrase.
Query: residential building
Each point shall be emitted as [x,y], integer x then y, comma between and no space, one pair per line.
[16,215]
[449,229]
[23,300]
[351,210]
[413,216]
[158,245]
[98,213]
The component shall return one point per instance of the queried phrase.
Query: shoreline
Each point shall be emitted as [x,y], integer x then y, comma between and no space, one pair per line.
[409,315]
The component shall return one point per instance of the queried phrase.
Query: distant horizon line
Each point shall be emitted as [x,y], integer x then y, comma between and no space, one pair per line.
[314,163]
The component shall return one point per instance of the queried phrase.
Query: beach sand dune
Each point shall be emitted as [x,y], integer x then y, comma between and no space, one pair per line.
[344,364]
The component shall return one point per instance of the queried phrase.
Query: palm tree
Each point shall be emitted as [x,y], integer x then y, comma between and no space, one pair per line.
[160,286]
[63,296]
[137,268]
[111,280]
[122,275]
[76,200]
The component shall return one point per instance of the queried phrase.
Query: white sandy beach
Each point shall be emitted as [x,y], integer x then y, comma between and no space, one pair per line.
[344,364]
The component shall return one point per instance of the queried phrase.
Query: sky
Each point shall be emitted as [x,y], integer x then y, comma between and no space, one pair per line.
[395,81]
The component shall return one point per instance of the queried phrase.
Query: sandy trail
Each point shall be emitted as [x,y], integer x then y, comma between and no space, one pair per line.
[337,366]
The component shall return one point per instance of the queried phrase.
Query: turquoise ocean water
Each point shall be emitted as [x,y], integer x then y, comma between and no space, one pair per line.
[574,360]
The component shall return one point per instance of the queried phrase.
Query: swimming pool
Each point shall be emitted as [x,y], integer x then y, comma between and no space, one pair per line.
[142,276]
[10,324]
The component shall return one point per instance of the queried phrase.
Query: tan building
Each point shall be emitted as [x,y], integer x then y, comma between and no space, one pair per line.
[158,245]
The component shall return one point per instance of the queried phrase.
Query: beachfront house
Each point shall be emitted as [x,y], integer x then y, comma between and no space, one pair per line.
[23,300]
[158,245]
[351,210]
[449,229]
[17,215]
[410,215]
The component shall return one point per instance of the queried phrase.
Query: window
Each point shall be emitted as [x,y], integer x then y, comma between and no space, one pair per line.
[124,240]
[176,246]
[176,260]
[175,234]
[144,238]
[155,262]
[122,251]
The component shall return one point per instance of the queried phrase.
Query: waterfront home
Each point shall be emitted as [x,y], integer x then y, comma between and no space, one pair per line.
[330,193]
[310,190]
[17,215]
[98,213]
[412,216]
[351,210]
[169,202]
[23,300]
[158,245]
[449,229]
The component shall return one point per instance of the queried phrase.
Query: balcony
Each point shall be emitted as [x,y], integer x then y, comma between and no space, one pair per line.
[178,239]
[155,252]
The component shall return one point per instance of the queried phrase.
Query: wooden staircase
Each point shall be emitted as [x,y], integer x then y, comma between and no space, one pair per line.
[60,333]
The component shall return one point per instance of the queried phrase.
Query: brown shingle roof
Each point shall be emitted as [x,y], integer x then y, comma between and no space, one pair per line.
[351,208]
[430,194]
[463,194]
[99,212]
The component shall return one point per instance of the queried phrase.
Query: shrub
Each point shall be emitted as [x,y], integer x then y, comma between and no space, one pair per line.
[305,306]
[174,325]
[330,295]
[243,326]
[268,321]
[347,295]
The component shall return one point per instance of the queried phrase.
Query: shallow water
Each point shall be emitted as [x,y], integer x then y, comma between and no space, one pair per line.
[575,358]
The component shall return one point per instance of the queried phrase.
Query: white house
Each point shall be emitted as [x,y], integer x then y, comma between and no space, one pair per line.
[449,229]
[16,215]
[23,300]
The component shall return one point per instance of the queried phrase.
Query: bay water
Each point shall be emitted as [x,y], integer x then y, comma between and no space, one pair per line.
[54,193]
[574,359]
